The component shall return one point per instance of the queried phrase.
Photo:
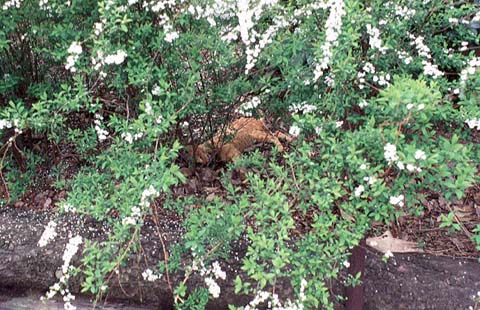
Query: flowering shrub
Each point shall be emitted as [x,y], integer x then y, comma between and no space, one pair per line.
[382,98]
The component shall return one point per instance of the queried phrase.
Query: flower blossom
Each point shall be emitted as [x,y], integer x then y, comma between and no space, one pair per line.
[390,153]
[48,234]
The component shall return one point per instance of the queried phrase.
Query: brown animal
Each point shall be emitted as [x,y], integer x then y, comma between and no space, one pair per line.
[244,133]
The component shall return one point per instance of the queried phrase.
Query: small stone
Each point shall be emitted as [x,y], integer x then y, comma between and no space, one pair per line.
[19,204]
[47,203]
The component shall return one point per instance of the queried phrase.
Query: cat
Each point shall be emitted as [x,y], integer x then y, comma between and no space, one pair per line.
[244,133]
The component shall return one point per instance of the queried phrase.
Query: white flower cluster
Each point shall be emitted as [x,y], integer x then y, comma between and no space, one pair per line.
[164,20]
[170,34]
[5,124]
[375,40]
[363,104]
[390,153]
[419,155]
[149,275]
[156,90]
[464,46]
[129,137]
[219,9]
[117,58]
[48,234]
[211,274]
[74,51]
[476,18]
[69,208]
[145,200]
[274,302]
[67,296]
[303,107]
[155,5]
[11,3]
[473,123]
[380,79]
[404,12]
[253,51]
[397,200]
[102,134]
[333,29]
[247,107]
[359,190]
[98,27]
[43,4]
[402,55]
[101,60]
[70,250]
[147,196]
[471,69]
[424,51]
[420,107]
[133,218]
[294,130]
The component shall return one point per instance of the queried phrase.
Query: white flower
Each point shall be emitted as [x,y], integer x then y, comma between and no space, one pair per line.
[70,250]
[472,123]
[390,153]
[359,190]
[363,104]
[338,124]
[421,106]
[411,167]
[69,208]
[148,108]
[397,201]
[388,254]
[363,166]
[98,28]
[127,137]
[213,287]
[419,154]
[400,165]
[409,106]
[346,264]
[129,220]
[218,272]
[156,90]
[294,130]
[48,234]
[148,275]
[75,48]
[117,58]
[171,36]
[5,124]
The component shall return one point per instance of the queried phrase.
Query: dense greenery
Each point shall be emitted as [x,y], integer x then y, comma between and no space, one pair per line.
[382,98]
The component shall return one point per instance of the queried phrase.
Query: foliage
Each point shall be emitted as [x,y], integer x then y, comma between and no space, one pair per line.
[381,96]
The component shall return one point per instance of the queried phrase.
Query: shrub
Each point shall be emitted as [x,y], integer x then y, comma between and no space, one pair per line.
[381,96]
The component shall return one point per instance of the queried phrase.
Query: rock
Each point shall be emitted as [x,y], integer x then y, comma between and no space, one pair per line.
[19,204]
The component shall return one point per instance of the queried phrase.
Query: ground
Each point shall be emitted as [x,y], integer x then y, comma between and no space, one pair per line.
[442,246]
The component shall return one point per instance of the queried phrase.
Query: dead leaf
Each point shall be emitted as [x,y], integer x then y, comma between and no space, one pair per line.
[387,242]
[346,216]
[465,213]
[211,197]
